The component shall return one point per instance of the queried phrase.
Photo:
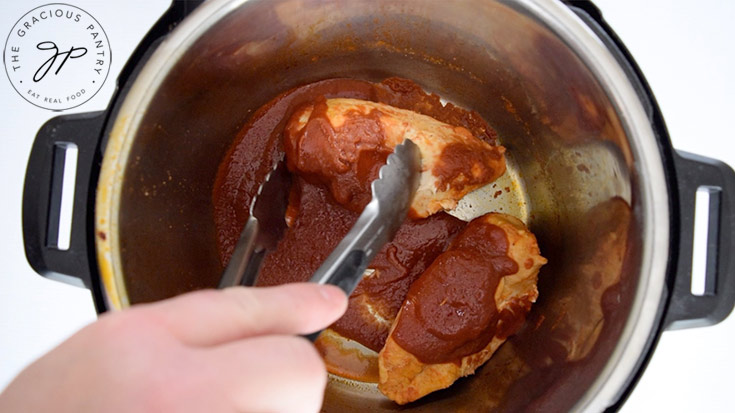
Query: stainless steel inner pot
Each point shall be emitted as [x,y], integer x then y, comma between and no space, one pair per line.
[559,100]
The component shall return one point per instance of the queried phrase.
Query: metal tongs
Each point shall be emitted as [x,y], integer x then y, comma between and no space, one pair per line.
[393,193]
[263,229]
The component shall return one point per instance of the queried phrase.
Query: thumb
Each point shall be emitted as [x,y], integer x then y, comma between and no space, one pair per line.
[212,317]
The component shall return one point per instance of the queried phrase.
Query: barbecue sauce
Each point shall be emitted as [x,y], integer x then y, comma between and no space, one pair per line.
[359,144]
[450,311]
[322,212]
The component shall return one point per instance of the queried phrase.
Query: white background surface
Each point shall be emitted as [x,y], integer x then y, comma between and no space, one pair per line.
[685,49]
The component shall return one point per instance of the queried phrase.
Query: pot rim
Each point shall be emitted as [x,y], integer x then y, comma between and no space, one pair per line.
[126,123]
[655,208]
[632,346]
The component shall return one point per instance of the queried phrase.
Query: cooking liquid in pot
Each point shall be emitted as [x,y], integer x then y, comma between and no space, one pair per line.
[318,222]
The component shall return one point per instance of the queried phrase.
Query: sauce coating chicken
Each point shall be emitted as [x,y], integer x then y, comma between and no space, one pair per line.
[336,134]
[342,143]
[462,308]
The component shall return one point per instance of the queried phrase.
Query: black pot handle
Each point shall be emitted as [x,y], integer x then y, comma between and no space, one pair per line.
[42,201]
[685,309]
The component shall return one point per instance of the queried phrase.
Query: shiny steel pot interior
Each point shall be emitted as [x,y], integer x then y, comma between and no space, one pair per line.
[560,101]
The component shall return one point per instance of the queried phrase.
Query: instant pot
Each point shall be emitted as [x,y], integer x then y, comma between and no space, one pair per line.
[611,203]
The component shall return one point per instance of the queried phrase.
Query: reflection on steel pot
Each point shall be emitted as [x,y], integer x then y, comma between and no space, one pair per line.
[609,200]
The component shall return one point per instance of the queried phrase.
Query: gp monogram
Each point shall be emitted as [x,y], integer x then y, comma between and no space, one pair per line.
[57,56]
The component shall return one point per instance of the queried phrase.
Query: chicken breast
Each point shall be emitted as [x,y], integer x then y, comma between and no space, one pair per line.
[462,308]
[342,143]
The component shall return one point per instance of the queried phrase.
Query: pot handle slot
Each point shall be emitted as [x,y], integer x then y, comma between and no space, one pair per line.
[716,302]
[72,263]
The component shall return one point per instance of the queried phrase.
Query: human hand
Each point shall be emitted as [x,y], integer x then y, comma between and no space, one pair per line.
[205,351]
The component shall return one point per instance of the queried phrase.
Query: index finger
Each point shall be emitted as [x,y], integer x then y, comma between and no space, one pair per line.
[212,317]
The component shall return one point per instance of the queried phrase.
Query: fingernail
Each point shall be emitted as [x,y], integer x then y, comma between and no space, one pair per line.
[331,293]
